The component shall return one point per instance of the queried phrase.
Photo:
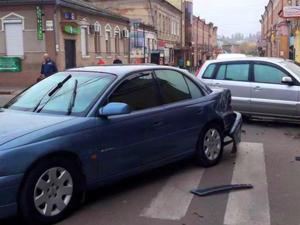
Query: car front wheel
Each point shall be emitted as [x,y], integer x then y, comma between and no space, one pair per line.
[210,146]
[51,191]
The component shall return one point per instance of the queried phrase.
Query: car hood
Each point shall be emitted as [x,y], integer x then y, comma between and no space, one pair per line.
[14,124]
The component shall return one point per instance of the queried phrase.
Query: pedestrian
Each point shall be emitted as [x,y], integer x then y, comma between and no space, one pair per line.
[48,67]
[117,61]
[101,62]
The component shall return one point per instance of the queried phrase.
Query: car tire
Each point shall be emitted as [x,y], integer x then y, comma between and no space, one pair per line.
[50,192]
[210,146]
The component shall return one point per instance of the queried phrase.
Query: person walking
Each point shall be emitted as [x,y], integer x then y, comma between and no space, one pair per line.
[117,61]
[48,67]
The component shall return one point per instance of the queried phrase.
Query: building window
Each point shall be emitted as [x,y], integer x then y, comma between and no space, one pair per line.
[108,38]
[84,42]
[117,39]
[97,28]
[13,26]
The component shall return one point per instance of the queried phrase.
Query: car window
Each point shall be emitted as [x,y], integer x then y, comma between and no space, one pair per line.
[209,72]
[221,73]
[268,74]
[195,91]
[237,72]
[173,86]
[139,93]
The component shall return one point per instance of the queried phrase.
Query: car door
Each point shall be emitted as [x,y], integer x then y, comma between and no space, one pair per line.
[269,95]
[235,77]
[126,139]
[184,104]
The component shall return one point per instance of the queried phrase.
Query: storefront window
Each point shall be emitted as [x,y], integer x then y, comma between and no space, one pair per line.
[84,41]
[108,38]
[97,27]
[117,39]
[13,26]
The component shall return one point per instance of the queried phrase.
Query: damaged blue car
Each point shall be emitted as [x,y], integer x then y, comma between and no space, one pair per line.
[87,127]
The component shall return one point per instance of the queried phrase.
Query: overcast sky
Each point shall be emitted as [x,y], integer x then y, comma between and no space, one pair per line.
[231,16]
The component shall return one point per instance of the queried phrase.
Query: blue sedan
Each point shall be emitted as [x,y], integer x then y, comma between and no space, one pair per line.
[87,127]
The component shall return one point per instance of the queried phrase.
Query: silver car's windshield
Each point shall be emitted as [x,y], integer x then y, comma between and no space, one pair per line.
[293,67]
[38,99]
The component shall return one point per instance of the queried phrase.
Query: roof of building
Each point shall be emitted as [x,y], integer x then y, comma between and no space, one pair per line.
[121,70]
[80,5]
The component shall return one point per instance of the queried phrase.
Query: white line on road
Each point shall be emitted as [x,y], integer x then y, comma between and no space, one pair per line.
[250,207]
[173,201]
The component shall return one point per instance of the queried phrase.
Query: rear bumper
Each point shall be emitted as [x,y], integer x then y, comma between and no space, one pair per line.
[9,186]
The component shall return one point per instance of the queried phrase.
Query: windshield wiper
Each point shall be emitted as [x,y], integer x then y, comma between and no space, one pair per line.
[51,93]
[73,98]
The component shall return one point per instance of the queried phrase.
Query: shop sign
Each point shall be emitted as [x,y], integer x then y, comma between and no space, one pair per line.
[69,15]
[10,64]
[40,32]
[161,44]
[49,25]
[70,29]
[291,11]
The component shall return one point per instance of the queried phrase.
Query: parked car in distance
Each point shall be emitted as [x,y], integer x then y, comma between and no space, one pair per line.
[90,126]
[259,86]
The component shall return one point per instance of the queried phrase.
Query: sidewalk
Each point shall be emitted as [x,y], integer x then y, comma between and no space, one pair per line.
[11,90]
[7,93]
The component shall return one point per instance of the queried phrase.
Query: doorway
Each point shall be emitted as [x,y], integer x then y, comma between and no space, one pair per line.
[70,54]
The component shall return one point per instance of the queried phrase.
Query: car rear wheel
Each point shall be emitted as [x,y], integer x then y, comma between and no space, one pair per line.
[210,146]
[51,190]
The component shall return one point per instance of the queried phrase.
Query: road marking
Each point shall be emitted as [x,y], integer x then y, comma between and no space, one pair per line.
[174,199]
[250,207]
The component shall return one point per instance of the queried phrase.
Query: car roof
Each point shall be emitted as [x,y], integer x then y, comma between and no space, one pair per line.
[121,70]
[259,59]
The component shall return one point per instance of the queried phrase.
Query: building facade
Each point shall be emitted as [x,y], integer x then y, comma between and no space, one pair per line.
[278,31]
[143,43]
[163,16]
[73,35]
[205,44]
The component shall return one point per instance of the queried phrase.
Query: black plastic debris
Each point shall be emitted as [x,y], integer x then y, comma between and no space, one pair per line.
[297,158]
[221,189]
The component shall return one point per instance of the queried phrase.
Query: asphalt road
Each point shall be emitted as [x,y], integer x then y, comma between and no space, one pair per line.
[266,159]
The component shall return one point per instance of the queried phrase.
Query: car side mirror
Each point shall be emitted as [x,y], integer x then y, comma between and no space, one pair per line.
[287,80]
[114,109]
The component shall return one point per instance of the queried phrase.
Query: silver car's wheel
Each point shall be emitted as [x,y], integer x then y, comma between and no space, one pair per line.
[53,191]
[212,144]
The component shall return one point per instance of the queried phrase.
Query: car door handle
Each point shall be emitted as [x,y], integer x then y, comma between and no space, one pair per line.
[257,88]
[218,84]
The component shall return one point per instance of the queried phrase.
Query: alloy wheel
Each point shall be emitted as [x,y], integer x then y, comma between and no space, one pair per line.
[53,191]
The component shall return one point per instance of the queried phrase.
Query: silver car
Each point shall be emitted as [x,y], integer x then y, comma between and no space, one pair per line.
[259,86]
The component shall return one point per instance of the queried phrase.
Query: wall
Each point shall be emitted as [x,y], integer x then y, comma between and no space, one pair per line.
[33,48]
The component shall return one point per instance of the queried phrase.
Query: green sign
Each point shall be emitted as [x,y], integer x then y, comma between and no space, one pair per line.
[10,64]
[69,29]
[40,32]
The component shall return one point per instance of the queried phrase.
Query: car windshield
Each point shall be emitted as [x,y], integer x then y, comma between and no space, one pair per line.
[56,93]
[295,68]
